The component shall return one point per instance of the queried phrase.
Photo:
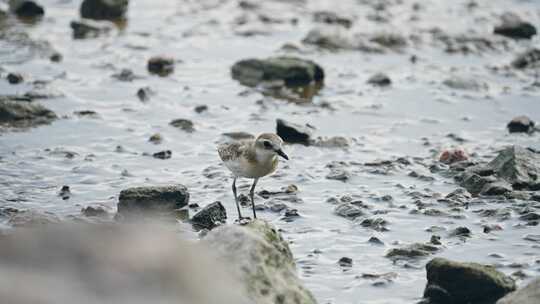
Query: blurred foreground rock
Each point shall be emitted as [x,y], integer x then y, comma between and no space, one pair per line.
[90,264]
[262,260]
[455,282]
[530,294]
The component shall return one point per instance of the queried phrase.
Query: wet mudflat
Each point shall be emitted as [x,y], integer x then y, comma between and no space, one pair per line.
[362,200]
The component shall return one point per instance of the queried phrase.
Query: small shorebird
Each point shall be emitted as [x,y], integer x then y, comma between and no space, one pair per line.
[253,158]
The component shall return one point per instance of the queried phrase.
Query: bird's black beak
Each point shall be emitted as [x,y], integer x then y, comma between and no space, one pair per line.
[282,154]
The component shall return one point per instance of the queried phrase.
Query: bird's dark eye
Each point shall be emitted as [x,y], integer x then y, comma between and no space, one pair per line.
[267,145]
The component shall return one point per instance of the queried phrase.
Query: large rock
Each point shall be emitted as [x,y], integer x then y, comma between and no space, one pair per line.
[133,264]
[210,216]
[261,258]
[21,114]
[455,282]
[527,59]
[104,9]
[512,26]
[291,71]
[518,166]
[530,294]
[158,199]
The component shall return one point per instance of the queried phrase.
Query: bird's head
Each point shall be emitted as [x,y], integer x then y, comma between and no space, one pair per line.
[270,144]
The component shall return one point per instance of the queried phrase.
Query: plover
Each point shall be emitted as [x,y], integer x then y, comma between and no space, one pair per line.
[254,159]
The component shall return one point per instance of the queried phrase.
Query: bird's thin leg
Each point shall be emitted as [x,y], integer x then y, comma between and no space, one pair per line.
[236,198]
[251,193]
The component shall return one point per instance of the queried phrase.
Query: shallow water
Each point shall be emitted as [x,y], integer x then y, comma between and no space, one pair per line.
[380,123]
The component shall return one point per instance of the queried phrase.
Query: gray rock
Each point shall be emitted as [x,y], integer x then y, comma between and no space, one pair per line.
[94,211]
[474,183]
[210,216]
[293,133]
[83,29]
[380,80]
[460,232]
[412,251]
[165,154]
[339,174]
[262,260]
[162,66]
[348,210]
[455,282]
[183,124]
[527,59]
[496,188]
[22,114]
[104,9]
[529,294]
[292,71]
[26,8]
[463,83]
[125,75]
[14,78]
[144,93]
[331,142]
[512,26]
[521,124]
[377,224]
[518,166]
[152,199]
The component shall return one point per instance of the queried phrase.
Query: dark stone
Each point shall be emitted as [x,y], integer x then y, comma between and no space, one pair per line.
[527,59]
[155,139]
[201,108]
[339,174]
[161,66]
[88,29]
[512,26]
[461,231]
[496,188]
[474,183]
[331,18]
[377,224]
[291,70]
[375,241]
[65,192]
[56,57]
[144,94]
[210,216]
[521,124]
[22,114]
[238,135]
[165,154]
[518,166]
[87,113]
[293,133]
[455,282]
[183,124]
[380,80]
[93,211]
[345,262]
[348,210]
[104,9]
[140,200]
[14,78]
[291,212]
[26,9]
[125,75]
[531,216]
